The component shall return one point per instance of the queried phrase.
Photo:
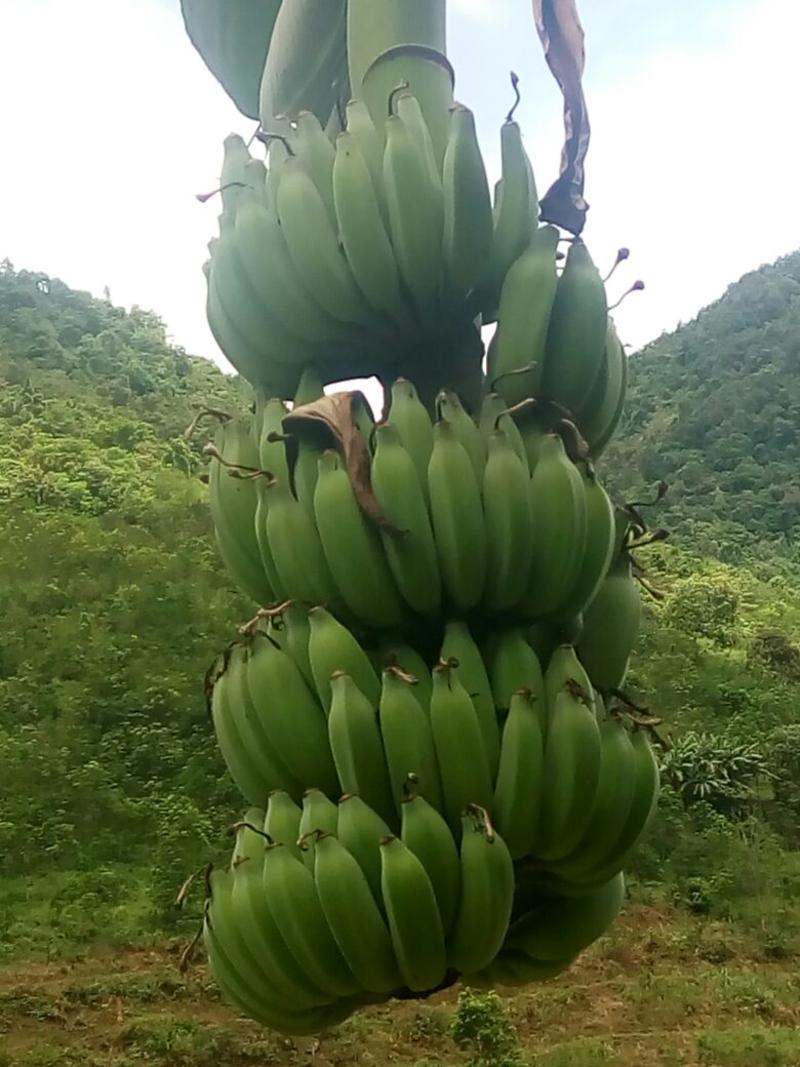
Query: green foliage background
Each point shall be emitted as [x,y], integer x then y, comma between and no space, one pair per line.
[114,603]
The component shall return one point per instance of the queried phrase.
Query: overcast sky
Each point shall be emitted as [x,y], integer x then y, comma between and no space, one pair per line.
[111,123]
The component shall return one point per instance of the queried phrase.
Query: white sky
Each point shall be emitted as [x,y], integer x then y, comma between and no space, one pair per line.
[110,124]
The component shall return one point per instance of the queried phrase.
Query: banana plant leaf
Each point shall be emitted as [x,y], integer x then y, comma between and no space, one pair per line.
[233,37]
[306,69]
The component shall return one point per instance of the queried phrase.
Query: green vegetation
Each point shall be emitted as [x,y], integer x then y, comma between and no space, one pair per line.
[112,791]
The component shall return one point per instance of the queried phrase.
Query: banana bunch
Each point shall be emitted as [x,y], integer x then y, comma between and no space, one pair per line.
[369,249]
[308,925]
[481,518]
[555,341]
[304,708]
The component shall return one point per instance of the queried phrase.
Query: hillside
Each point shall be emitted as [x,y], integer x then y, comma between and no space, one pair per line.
[714,410]
[112,789]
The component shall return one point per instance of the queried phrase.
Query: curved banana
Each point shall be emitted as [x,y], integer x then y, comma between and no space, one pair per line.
[320,815]
[333,648]
[600,538]
[518,789]
[289,715]
[361,129]
[407,740]
[487,895]
[517,351]
[363,233]
[509,524]
[297,634]
[564,668]
[558,503]
[414,205]
[293,902]
[514,968]
[314,248]
[242,765]
[271,447]
[409,661]
[361,830]
[282,821]
[296,549]
[411,552]
[413,915]
[610,626]
[468,223]
[355,741]
[571,774]
[310,144]
[262,539]
[353,548]
[459,645]
[603,409]
[451,410]
[464,767]
[410,418]
[353,917]
[576,339]
[495,416]
[457,518]
[513,665]
[561,927]
[516,212]
[612,808]
[425,832]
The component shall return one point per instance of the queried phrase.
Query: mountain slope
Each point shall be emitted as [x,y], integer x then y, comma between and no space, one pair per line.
[714,410]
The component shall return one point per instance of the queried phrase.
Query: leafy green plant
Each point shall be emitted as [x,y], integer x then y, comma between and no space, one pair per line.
[481,1024]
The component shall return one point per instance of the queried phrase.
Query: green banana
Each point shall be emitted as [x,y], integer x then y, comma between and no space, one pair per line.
[564,668]
[353,917]
[459,645]
[576,338]
[296,909]
[517,350]
[571,774]
[457,518]
[331,648]
[516,211]
[495,416]
[262,539]
[363,232]
[611,625]
[509,524]
[411,552]
[296,549]
[558,503]
[451,410]
[314,247]
[409,661]
[487,894]
[233,503]
[355,741]
[600,536]
[468,224]
[514,968]
[305,468]
[645,800]
[513,665]
[361,830]
[353,549]
[312,147]
[414,921]
[271,447]
[407,740]
[239,759]
[425,832]
[464,767]
[413,203]
[615,796]
[297,630]
[518,789]
[603,410]
[320,815]
[282,821]
[289,714]
[406,106]
[561,927]
[361,130]
[410,418]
